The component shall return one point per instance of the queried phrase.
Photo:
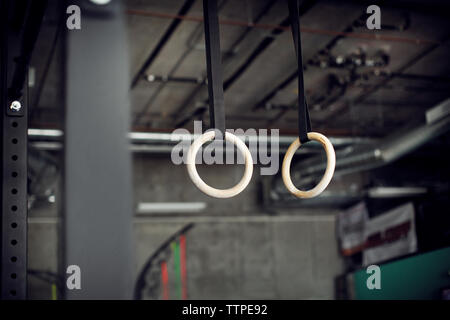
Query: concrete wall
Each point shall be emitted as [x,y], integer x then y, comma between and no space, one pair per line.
[236,250]
[263,258]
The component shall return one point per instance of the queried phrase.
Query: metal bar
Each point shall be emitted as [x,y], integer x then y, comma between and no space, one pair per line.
[169,139]
[157,78]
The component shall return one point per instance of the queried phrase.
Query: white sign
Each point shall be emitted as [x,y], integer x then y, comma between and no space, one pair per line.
[390,235]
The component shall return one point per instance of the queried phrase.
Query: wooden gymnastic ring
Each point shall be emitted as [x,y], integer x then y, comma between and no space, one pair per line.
[328,175]
[213,192]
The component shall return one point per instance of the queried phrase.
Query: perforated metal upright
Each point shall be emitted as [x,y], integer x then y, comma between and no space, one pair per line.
[14,204]
[13,124]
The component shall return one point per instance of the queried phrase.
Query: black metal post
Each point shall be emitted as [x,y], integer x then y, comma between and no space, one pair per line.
[13,124]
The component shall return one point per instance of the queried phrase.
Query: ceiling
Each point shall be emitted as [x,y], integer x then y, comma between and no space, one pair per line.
[359,82]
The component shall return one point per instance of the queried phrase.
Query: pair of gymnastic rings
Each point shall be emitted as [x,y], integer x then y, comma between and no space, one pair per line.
[217,115]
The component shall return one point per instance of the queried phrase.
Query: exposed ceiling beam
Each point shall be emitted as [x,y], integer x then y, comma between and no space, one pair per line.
[196,34]
[162,42]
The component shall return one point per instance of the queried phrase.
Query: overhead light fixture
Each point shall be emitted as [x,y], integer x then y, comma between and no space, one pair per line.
[100,2]
[45,132]
[170,207]
[395,192]
[157,136]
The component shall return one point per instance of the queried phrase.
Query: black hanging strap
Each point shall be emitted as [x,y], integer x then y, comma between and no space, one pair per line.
[214,66]
[304,123]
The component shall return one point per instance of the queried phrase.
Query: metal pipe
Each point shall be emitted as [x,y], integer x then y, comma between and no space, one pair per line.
[365,36]
[390,149]
[158,142]
[162,137]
